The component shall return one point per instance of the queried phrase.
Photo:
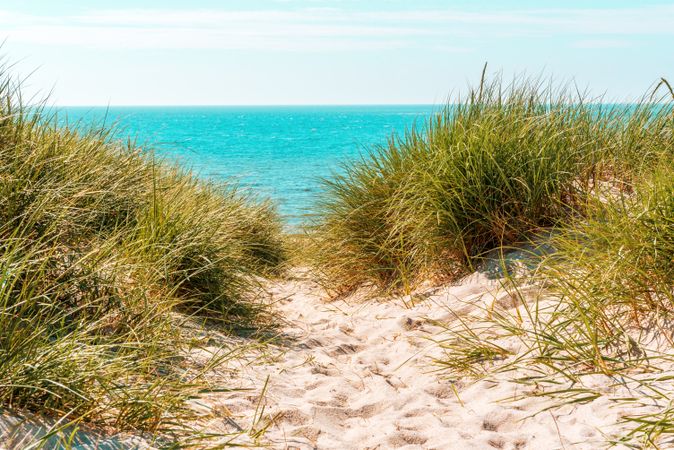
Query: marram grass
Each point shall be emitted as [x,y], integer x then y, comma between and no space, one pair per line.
[600,302]
[602,305]
[523,165]
[104,252]
[489,170]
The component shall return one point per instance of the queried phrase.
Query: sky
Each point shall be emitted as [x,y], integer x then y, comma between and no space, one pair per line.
[286,52]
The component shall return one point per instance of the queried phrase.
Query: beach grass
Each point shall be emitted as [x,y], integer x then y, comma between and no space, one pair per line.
[490,170]
[599,304]
[599,300]
[614,273]
[105,252]
[583,189]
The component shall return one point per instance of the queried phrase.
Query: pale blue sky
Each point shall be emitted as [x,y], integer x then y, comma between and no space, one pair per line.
[127,52]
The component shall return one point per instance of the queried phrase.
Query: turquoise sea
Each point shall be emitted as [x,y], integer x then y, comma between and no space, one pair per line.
[278,151]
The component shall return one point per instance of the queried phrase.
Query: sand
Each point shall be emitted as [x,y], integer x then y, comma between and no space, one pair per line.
[355,374]
[358,373]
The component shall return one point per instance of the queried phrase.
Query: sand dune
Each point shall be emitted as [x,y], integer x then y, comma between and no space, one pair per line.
[360,374]
[357,374]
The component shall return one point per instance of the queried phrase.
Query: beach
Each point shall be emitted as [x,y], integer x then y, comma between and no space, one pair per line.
[266,224]
[362,373]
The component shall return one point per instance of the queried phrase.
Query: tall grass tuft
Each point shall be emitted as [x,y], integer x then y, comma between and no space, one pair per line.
[613,275]
[602,305]
[489,170]
[103,250]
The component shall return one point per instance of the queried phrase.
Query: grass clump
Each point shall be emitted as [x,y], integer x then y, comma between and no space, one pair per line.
[613,275]
[586,187]
[102,252]
[487,171]
[601,305]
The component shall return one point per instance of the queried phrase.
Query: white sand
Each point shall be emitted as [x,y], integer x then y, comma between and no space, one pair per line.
[359,375]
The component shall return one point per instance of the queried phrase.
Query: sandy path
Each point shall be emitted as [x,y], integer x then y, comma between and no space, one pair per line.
[357,375]
[354,374]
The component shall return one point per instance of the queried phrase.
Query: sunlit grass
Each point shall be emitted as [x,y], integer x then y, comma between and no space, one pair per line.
[104,253]
[489,170]
[528,165]
[603,306]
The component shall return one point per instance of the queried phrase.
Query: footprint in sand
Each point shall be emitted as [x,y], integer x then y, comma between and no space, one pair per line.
[444,390]
[499,420]
[405,438]
[320,369]
[344,350]
[311,343]
[339,400]
[293,417]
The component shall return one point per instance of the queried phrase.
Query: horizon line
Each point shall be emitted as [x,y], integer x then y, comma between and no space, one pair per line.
[278,105]
[208,105]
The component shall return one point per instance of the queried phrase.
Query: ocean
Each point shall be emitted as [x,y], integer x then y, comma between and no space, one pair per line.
[281,152]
